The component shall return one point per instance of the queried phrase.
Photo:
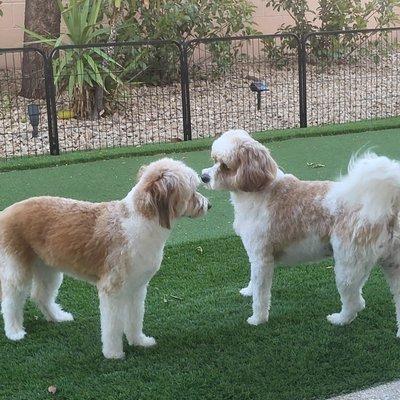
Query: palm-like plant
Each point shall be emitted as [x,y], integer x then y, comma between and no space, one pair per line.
[81,70]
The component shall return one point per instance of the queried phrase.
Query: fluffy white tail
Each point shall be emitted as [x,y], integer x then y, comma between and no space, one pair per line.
[372,185]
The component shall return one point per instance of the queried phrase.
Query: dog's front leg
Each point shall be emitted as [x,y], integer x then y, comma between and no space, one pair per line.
[248,290]
[262,274]
[112,306]
[134,319]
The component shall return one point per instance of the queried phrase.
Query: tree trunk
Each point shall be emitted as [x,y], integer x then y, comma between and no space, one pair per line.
[42,17]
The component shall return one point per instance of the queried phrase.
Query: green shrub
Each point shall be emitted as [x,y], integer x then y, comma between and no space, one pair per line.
[184,20]
[337,15]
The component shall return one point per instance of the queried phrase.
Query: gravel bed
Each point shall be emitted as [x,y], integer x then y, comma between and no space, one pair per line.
[148,114]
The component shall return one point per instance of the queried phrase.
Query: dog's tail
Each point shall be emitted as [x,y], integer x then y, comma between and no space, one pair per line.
[371,186]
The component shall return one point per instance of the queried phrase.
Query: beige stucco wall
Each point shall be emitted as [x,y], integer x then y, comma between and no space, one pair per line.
[11,33]
[268,21]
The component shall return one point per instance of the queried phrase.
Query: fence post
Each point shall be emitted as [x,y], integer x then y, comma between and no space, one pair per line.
[302,59]
[51,106]
[187,123]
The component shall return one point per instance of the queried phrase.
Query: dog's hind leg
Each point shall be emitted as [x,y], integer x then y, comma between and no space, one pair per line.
[392,274]
[45,285]
[350,279]
[15,283]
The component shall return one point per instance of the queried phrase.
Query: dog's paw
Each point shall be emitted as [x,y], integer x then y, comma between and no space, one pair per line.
[361,304]
[144,341]
[114,355]
[16,335]
[257,320]
[62,316]
[246,291]
[340,319]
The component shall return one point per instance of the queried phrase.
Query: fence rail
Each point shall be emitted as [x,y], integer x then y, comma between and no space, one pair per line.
[133,93]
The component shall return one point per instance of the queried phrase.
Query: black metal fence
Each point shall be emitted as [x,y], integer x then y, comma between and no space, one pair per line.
[352,75]
[130,94]
[246,89]
[15,128]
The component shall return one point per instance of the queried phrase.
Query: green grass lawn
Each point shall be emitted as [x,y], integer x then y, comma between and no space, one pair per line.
[205,348]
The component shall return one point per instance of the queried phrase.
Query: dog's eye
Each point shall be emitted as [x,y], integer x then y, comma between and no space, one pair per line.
[224,167]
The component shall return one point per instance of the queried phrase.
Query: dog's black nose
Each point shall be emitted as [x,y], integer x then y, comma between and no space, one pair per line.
[205,178]
[209,206]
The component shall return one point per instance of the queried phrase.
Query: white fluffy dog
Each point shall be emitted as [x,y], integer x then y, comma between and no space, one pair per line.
[118,246]
[282,219]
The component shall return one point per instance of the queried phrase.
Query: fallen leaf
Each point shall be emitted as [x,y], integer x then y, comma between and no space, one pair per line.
[52,389]
[65,114]
[315,165]
[176,297]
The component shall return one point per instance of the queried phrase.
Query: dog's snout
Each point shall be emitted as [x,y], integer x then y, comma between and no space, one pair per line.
[205,178]
[209,206]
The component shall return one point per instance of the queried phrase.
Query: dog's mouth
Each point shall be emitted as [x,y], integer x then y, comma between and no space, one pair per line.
[200,208]
[205,207]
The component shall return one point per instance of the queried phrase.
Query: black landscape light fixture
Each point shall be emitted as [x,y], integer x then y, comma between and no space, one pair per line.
[259,87]
[34,116]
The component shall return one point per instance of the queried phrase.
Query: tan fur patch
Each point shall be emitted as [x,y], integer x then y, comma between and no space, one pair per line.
[250,168]
[164,192]
[257,169]
[161,195]
[364,235]
[298,211]
[73,236]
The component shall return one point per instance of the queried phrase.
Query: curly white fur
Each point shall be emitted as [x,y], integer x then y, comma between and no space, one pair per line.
[372,185]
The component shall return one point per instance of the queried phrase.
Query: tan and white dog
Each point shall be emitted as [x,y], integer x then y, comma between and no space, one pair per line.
[118,246]
[282,219]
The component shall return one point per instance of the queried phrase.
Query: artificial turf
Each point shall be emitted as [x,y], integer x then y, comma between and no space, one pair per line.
[205,348]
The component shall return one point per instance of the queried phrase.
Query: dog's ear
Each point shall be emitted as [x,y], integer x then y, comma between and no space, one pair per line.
[257,169]
[162,194]
[160,197]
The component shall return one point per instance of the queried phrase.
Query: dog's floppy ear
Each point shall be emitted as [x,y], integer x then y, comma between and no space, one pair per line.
[160,197]
[257,169]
